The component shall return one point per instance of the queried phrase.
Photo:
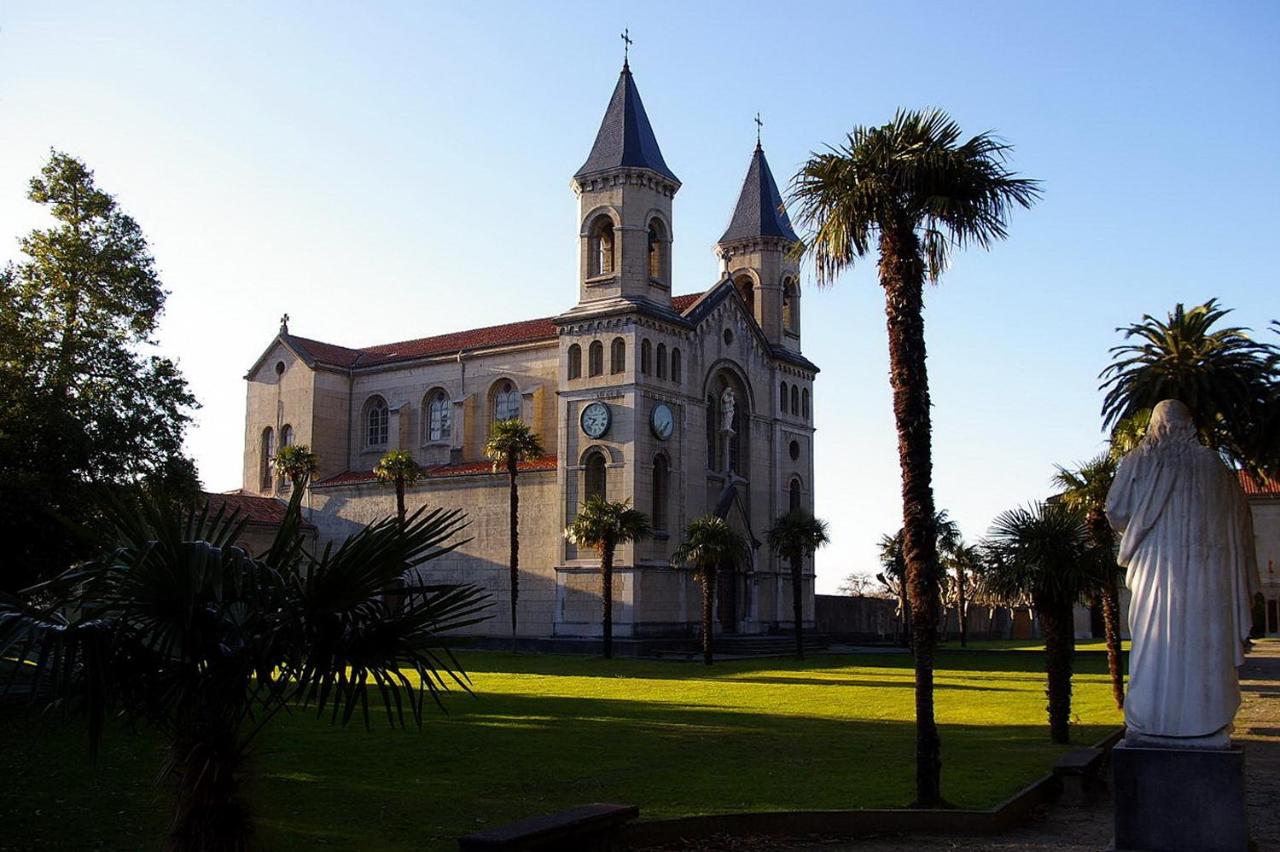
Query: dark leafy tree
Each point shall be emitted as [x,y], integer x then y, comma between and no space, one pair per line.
[709,545]
[794,536]
[915,190]
[1042,554]
[603,525]
[178,628]
[510,443]
[83,403]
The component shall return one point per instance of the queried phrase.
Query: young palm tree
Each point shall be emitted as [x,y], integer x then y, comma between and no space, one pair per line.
[794,536]
[709,543]
[399,467]
[1221,374]
[604,525]
[893,561]
[182,630]
[1084,490]
[918,191]
[510,443]
[966,560]
[1042,553]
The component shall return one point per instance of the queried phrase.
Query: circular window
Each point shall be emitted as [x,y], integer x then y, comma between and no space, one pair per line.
[728,337]
[794,449]
[279,368]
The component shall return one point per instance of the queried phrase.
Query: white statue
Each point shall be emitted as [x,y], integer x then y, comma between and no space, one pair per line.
[1187,545]
[727,401]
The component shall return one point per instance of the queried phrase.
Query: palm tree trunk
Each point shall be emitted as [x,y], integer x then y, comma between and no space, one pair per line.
[1102,537]
[512,470]
[400,499]
[708,598]
[902,276]
[1059,647]
[797,607]
[964,632]
[606,594]
[209,813]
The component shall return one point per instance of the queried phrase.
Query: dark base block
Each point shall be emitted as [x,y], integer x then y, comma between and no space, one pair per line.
[1170,800]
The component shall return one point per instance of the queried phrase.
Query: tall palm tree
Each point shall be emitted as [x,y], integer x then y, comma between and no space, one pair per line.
[398,466]
[1220,373]
[709,544]
[794,536]
[604,525]
[1084,489]
[178,628]
[1042,553]
[510,443]
[918,191]
[296,463]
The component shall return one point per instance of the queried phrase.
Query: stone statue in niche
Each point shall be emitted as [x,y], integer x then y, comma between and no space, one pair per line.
[1187,546]
[727,402]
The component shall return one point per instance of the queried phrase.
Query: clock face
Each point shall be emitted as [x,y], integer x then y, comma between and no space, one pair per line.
[595,419]
[662,421]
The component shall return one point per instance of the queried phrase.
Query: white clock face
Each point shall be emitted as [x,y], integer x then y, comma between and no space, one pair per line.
[662,421]
[595,419]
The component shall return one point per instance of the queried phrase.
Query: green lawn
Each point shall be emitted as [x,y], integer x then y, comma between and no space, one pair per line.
[548,732]
[1098,645]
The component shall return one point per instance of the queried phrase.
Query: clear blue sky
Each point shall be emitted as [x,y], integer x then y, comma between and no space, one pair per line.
[390,171]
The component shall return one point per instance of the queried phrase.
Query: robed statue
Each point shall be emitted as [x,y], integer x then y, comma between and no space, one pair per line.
[1187,546]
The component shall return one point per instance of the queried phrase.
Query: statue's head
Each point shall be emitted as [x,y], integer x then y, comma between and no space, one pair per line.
[1170,423]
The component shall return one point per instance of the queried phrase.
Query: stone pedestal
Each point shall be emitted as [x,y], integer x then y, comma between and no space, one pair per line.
[1170,800]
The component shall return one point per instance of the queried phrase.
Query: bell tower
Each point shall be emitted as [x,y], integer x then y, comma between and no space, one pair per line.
[755,252]
[625,190]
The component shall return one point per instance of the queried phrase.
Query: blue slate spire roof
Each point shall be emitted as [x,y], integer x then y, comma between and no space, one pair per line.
[760,212]
[625,137]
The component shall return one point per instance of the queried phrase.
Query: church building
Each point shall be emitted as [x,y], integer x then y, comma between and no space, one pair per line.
[685,405]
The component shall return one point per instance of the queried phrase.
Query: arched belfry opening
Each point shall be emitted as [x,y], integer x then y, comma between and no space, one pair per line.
[746,288]
[601,247]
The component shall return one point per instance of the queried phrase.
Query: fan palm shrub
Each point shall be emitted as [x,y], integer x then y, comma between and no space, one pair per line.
[603,525]
[794,536]
[1084,489]
[917,191]
[399,468]
[710,544]
[510,443]
[178,628]
[1041,553]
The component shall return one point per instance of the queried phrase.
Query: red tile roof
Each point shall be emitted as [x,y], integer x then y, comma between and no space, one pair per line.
[355,477]
[1268,486]
[267,511]
[508,334]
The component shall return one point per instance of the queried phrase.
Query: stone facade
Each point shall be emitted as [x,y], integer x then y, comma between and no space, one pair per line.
[725,362]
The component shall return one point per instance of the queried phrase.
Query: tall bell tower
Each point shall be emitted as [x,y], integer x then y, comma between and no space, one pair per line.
[625,190]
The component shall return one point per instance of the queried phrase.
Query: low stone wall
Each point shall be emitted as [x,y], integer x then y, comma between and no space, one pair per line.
[873,619]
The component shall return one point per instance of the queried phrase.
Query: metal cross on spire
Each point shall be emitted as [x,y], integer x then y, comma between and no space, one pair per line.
[284,324]
[759,126]
[626,46]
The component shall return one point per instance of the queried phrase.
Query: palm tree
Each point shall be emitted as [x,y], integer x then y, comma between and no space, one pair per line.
[1042,553]
[177,627]
[709,543]
[1221,374]
[966,560]
[919,191]
[510,443]
[893,561]
[604,525]
[296,463]
[794,536]
[399,467]
[1084,490]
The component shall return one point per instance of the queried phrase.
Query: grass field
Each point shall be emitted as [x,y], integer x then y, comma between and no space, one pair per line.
[547,732]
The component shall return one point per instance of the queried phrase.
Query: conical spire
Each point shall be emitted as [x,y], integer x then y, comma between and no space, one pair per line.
[625,138]
[760,212]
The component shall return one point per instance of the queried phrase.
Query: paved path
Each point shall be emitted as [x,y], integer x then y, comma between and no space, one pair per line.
[1088,829]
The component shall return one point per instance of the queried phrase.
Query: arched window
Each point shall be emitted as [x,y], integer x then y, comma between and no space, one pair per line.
[506,402]
[575,361]
[782,397]
[439,415]
[646,355]
[793,496]
[795,399]
[595,359]
[677,370]
[746,289]
[804,403]
[662,360]
[789,304]
[267,465]
[661,488]
[657,241]
[375,421]
[600,247]
[618,356]
[595,476]
[286,436]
